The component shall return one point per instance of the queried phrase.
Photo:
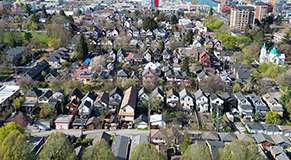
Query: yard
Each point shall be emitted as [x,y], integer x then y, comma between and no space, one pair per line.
[5,75]
[42,37]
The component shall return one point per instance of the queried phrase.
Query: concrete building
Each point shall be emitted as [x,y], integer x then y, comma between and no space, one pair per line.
[261,9]
[241,16]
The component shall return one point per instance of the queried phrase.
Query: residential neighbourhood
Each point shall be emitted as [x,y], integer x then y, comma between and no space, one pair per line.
[145,79]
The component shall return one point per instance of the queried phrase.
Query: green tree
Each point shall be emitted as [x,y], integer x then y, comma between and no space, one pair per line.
[100,150]
[17,102]
[257,75]
[48,20]
[271,116]
[62,13]
[161,17]
[47,111]
[279,20]
[214,23]
[174,19]
[15,146]
[27,36]
[256,117]
[43,12]
[195,152]
[264,67]
[185,64]
[57,147]
[28,9]
[210,12]
[236,88]
[146,151]
[184,146]
[274,31]
[82,48]
[43,73]
[25,84]
[6,130]
[274,71]
[149,23]
[136,13]
[157,13]
[286,39]
[189,36]
[286,101]
[240,150]
[12,42]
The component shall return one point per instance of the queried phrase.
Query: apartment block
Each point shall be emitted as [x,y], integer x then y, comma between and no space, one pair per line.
[261,10]
[241,16]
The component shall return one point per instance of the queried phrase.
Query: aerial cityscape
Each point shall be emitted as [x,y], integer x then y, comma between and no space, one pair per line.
[145,79]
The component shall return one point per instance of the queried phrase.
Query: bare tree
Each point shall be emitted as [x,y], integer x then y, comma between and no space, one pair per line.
[212,84]
[20,119]
[25,84]
[98,63]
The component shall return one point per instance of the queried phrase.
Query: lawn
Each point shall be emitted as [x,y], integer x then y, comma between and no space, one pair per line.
[5,75]
[42,37]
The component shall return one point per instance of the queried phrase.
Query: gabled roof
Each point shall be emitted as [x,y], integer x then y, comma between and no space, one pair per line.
[227,137]
[77,93]
[123,73]
[210,136]
[199,93]
[33,72]
[271,127]
[120,147]
[101,135]
[130,97]
[256,126]
[245,137]
[157,91]
[34,92]
[141,118]
[136,140]
[116,90]
[227,96]
[47,94]
[172,92]
[103,97]
[143,90]
[93,120]
[155,133]
[92,95]
[185,93]
[278,139]
[261,138]
[214,146]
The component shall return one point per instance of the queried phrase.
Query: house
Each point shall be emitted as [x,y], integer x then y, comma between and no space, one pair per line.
[57,58]
[120,146]
[157,55]
[216,103]
[214,146]
[281,141]
[244,106]
[167,55]
[159,93]
[204,59]
[15,54]
[141,121]
[254,127]
[271,129]
[120,54]
[52,75]
[157,136]
[173,99]
[161,148]
[212,136]
[143,94]
[128,59]
[33,94]
[112,55]
[85,109]
[229,101]
[158,120]
[85,76]
[122,74]
[197,43]
[273,104]
[227,137]
[135,75]
[102,135]
[278,153]
[147,55]
[128,105]
[44,98]
[101,101]
[150,75]
[115,97]
[45,123]
[92,123]
[245,137]
[90,96]
[201,75]
[273,57]
[149,33]
[76,94]
[79,123]
[138,58]
[259,106]
[263,140]
[63,121]
[137,140]
[34,73]
[240,71]
[202,101]
[187,100]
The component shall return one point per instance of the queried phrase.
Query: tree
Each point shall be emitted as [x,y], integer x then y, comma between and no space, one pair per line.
[149,23]
[43,12]
[28,9]
[236,88]
[6,130]
[15,146]
[214,23]
[271,116]
[127,83]
[12,42]
[264,67]
[55,83]
[157,13]
[64,38]
[146,151]
[189,36]
[47,111]
[100,150]
[286,101]
[256,117]
[136,13]
[284,48]
[257,75]
[210,12]
[27,36]
[195,152]
[48,20]
[194,2]
[184,146]
[62,13]
[274,71]
[174,19]
[240,150]
[279,20]
[185,64]
[82,48]
[98,63]
[286,39]
[25,84]
[17,102]
[161,17]
[283,79]
[211,84]
[57,147]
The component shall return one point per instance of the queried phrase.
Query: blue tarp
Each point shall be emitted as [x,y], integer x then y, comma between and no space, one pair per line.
[87,61]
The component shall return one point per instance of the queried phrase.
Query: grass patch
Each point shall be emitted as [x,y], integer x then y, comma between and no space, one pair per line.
[5,75]
[283,88]
[41,36]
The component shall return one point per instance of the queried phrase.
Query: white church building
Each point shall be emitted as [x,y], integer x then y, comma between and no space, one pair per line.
[273,56]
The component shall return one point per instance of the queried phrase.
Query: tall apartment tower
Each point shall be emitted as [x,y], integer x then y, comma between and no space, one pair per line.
[261,10]
[241,16]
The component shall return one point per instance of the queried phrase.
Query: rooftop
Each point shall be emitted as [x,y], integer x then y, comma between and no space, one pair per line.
[6,92]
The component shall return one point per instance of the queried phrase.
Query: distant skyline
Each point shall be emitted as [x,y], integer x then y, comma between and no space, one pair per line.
[211,3]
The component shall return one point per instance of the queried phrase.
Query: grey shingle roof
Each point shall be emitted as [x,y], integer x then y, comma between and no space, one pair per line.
[116,90]
[157,91]
[141,118]
[101,135]
[214,146]
[130,98]
[185,93]
[143,90]
[260,138]
[271,127]
[120,147]
[256,126]
[210,136]
[278,139]
[34,92]
[136,140]
[227,137]
[199,93]
[36,71]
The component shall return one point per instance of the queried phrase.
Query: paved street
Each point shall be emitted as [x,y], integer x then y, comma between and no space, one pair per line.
[88,133]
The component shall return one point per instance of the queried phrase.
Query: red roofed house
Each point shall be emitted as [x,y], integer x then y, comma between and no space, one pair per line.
[204,59]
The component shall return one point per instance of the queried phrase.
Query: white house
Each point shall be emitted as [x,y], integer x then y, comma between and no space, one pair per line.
[63,121]
[202,101]
[159,120]
[244,106]
[183,22]
[273,57]
[172,98]
[186,100]
[85,108]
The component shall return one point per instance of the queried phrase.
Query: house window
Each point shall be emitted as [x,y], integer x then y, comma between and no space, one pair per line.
[124,110]
[188,99]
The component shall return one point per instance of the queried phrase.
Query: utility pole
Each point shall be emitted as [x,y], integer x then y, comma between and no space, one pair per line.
[217,119]
[274,125]
[149,118]
[81,121]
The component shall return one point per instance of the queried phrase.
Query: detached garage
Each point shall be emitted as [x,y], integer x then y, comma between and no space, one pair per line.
[63,121]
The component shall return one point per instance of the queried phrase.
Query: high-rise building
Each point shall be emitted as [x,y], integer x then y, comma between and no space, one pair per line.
[241,16]
[261,10]
[151,3]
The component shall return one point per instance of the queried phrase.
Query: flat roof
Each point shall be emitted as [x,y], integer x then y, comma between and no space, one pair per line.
[64,118]
[7,91]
